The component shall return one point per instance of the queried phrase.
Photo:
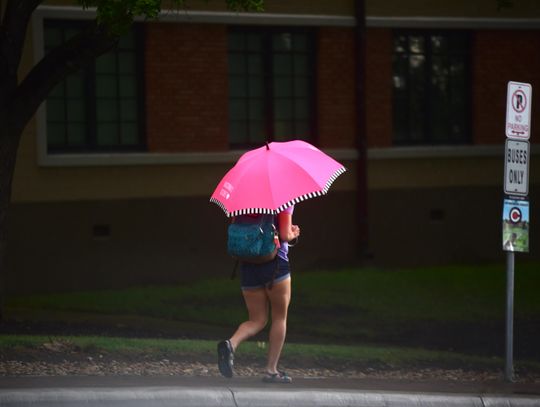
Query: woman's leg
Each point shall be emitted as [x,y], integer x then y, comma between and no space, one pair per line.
[257,305]
[280,297]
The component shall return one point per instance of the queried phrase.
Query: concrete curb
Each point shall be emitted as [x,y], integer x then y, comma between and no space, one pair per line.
[149,396]
[242,397]
[374,399]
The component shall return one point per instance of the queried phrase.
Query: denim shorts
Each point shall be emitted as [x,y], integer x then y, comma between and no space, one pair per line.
[253,276]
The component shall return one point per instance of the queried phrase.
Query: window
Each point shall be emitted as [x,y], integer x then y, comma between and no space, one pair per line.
[431,88]
[271,84]
[98,108]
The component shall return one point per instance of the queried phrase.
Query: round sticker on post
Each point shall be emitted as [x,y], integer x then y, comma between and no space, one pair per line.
[515,215]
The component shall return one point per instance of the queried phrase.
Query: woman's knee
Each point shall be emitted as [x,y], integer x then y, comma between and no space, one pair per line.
[259,323]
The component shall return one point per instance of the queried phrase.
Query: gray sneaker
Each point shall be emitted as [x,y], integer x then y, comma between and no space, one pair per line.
[225,358]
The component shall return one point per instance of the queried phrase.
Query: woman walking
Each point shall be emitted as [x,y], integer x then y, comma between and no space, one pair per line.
[265,287]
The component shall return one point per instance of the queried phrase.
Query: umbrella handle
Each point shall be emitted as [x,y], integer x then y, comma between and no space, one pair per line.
[295,240]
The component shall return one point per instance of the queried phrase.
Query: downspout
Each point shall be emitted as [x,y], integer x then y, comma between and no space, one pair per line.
[361,130]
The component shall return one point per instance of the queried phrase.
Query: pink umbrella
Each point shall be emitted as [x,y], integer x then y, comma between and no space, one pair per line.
[270,178]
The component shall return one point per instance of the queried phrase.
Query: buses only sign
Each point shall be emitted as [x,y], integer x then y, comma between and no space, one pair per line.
[518,110]
[516,167]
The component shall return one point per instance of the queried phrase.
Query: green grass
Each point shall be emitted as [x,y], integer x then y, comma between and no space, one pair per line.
[443,294]
[347,306]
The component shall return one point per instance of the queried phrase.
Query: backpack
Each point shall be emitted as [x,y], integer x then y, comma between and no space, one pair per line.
[253,239]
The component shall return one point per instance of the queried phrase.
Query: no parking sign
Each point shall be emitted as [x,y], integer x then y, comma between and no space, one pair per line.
[518,110]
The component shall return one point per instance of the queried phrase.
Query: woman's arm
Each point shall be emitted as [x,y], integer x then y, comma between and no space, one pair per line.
[287,231]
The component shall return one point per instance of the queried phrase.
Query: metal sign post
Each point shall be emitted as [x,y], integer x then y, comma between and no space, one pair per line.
[516,205]
[509,360]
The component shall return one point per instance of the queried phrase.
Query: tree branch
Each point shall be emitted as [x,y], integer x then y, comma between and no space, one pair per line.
[54,67]
[13,29]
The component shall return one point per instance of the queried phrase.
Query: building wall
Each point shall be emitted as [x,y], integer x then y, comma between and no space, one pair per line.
[186,87]
[110,225]
[336,112]
[379,87]
[501,56]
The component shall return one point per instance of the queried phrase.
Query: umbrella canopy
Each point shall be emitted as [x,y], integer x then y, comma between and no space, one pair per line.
[270,178]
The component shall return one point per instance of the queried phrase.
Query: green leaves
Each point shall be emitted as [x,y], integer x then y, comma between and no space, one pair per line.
[118,15]
[245,5]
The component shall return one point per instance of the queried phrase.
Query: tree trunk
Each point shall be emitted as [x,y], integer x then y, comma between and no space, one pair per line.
[19,102]
[9,142]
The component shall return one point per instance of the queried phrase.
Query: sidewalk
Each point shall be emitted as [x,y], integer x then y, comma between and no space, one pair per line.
[212,391]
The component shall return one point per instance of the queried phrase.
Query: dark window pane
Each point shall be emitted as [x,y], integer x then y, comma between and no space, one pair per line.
[255,64]
[401,120]
[237,86]
[107,110]
[238,109]
[106,64]
[58,91]
[300,42]
[236,41]
[401,43]
[300,64]
[440,76]
[127,41]
[417,100]
[70,33]
[282,42]
[283,109]
[75,86]
[256,131]
[283,87]
[56,110]
[283,64]
[126,63]
[107,134]
[256,86]
[76,134]
[416,44]
[439,44]
[238,132]
[254,42]
[457,44]
[106,86]
[301,87]
[301,109]
[52,37]
[76,110]
[430,88]
[237,64]
[56,133]
[128,86]
[129,133]
[275,66]
[301,129]
[283,130]
[128,110]
[96,108]
[256,110]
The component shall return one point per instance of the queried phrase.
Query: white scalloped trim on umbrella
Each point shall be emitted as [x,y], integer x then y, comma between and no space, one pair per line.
[266,211]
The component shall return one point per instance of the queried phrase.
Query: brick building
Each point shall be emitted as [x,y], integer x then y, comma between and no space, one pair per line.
[115,172]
